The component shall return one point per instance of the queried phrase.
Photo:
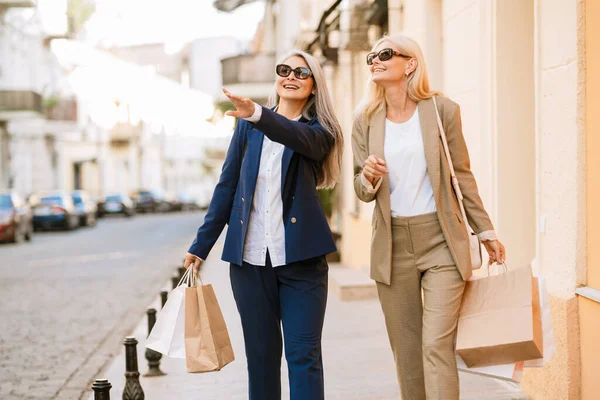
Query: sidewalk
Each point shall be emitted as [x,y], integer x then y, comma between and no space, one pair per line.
[357,359]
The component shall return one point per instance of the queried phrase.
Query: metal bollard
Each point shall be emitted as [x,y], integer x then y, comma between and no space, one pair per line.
[101,388]
[175,280]
[152,356]
[133,390]
[163,298]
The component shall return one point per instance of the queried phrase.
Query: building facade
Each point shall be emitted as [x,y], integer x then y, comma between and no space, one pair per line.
[76,117]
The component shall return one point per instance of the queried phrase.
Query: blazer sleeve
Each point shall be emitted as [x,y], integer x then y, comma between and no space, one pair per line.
[360,154]
[311,139]
[479,219]
[220,205]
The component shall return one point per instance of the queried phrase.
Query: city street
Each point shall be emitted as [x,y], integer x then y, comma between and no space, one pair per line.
[68,298]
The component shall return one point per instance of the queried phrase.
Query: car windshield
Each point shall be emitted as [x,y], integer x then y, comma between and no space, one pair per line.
[77,199]
[52,200]
[113,198]
[5,201]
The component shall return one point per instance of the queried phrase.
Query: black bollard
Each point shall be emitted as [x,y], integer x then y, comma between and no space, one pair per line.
[175,280]
[163,298]
[181,271]
[152,356]
[133,389]
[101,388]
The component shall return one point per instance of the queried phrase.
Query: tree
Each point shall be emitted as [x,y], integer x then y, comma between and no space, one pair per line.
[78,12]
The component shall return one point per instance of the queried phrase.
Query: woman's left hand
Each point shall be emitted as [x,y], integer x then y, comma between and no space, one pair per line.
[244,106]
[496,251]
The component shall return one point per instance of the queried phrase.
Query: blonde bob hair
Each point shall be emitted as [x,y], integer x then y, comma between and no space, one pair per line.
[418,81]
[319,105]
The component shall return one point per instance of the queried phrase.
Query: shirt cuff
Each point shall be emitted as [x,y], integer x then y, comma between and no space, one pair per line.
[257,114]
[368,185]
[195,256]
[487,236]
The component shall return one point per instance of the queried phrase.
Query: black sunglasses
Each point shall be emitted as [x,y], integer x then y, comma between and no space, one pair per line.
[285,70]
[384,55]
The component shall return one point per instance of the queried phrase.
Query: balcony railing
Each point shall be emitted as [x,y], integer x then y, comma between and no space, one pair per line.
[64,110]
[123,133]
[17,3]
[259,68]
[20,100]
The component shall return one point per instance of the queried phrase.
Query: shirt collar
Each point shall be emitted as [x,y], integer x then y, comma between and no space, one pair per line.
[293,119]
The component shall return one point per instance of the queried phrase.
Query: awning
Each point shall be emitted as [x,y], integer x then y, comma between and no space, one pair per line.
[329,21]
[230,5]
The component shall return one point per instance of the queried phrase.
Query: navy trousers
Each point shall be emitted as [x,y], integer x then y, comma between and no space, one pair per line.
[293,296]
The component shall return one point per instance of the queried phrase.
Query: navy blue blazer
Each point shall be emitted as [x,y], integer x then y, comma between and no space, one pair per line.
[307,233]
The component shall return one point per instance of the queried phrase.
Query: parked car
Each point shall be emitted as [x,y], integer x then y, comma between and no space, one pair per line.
[117,204]
[16,222]
[187,202]
[173,201]
[85,207]
[55,209]
[151,201]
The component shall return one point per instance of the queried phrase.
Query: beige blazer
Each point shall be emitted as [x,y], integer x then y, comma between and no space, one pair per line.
[368,138]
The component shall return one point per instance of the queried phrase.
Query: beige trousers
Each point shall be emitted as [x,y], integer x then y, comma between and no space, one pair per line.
[421,325]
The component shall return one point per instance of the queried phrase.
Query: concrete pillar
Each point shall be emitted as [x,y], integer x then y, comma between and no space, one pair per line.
[560,165]
[422,21]
[395,16]
[514,129]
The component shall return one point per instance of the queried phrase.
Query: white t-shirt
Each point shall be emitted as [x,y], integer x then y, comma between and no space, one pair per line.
[410,188]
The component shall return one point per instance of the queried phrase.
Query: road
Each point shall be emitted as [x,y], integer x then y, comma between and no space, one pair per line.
[67,299]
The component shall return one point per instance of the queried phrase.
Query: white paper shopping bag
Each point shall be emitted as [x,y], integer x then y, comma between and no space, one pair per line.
[167,336]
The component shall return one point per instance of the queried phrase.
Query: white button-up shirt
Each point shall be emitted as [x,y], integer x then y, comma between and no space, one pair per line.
[265,227]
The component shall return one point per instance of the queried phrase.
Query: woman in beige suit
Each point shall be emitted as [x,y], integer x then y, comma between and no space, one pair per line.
[420,247]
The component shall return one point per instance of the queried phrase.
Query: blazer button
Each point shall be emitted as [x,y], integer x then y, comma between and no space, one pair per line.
[293,220]
[242,222]
[243,201]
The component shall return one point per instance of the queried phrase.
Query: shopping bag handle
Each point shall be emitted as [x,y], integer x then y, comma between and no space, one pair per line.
[197,277]
[503,265]
[187,278]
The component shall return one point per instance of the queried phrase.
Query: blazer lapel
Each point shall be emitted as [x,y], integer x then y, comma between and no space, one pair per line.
[285,163]
[287,157]
[254,150]
[376,147]
[431,143]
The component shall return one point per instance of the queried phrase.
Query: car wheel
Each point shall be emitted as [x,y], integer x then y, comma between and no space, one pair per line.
[29,234]
[69,225]
[18,237]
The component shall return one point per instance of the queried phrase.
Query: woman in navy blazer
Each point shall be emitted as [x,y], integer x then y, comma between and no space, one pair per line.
[278,235]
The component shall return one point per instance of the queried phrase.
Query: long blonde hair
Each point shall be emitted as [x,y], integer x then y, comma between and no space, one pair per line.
[319,105]
[418,80]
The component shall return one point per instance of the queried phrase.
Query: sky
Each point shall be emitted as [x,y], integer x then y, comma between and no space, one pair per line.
[175,22]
